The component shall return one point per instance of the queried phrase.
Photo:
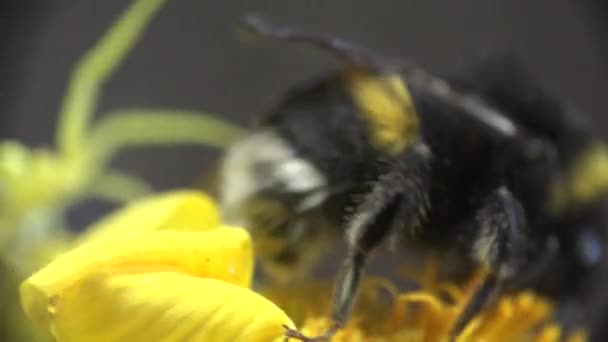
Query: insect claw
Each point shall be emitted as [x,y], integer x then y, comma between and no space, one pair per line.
[295,334]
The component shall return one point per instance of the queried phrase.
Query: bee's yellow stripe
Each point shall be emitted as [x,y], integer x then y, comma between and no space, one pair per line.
[585,182]
[388,109]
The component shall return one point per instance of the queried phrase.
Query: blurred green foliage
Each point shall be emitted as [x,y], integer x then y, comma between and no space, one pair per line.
[37,185]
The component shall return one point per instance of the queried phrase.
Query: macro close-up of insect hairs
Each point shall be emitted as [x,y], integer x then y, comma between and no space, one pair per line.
[258,172]
[484,167]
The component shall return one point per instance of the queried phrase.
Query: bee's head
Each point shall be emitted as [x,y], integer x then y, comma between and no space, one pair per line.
[278,196]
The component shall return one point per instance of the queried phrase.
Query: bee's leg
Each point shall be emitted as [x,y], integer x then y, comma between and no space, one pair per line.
[484,294]
[498,246]
[400,196]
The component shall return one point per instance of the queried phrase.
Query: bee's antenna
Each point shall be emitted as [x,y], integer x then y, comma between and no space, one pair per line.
[359,58]
[353,55]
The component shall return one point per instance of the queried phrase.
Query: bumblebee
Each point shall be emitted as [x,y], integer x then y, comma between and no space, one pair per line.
[483,168]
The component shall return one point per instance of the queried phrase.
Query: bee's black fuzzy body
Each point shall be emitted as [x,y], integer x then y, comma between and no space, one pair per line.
[503,175]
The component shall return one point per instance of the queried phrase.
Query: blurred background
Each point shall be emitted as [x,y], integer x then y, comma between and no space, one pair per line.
[192,57]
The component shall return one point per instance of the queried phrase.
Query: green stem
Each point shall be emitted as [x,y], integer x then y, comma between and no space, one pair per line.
[146,127]
[116,186]
[93,71]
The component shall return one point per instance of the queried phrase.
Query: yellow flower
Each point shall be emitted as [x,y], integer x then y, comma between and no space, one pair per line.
[424,315]
[165,269]
[162,269]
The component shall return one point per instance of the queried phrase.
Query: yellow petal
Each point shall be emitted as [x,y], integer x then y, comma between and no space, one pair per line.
[223,253]
[178,210]
[165,307]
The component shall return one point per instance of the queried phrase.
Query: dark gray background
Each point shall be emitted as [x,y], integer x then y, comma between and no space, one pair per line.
[191,57]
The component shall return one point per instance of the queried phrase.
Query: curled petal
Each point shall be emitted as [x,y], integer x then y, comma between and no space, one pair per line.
[185,210]
[224,254]
[165,307]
